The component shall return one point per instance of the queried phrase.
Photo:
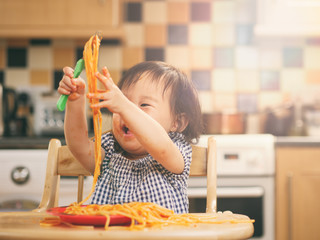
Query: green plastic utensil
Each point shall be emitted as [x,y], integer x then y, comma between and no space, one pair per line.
[61,104]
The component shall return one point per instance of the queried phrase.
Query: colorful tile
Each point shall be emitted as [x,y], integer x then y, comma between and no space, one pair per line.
[17,57]
[223,11]
[134,34]
[131,56]
[63,56]
[245,11]
[292,80]
[269,80]
[2,57]
[201,58]
[223,57]
[201,80]
[17,77]
[178,12]
[223,34]
[200,34]
[40,57]
[133,12]
[40,42]
[270,100]
[247,81]
[270,58]
[154,54]
[155,35]
[40,77]
[313,41]
[206,100]
[111,57]
[200,11]
[244,34]
[178,56]
[247,103]
[57,76]
[224,101]
[246,57]
[312,58]
[177,34]
[293,57]
[154,12]
[313,76]
[18,42]
[2,77]
[224,81]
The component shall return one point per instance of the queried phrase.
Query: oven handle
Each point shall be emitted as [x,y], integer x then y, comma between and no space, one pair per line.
[227,192]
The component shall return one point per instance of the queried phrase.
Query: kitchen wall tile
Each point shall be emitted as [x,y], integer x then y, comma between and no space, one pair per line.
[245,11]
[224,81]
[206,100]
[293,57]
[270,58]
[269,80]
[40,57]
[132,56]
[2,57]
[313,76]
[178,34]
[110,56]
[115,75]
[134,34]
[292,80]
[40,42]
[17,77]
[247,81]
[57,76]
[78,54]
[133,11]
[246,57]
[201,79]
[312,58]
[244,34]
[2,77]
[201,58]
[313,41]
[223,11]
[17,57]
[68,43]
[224,102]
[17,42]
[223,34]
[155,35]
[200,11]
[41,77]
[154,54]
[270,100]
[223,57]
[154,12]
[178,12]
[200,34]
[247,103]
[178,56]
[63,56]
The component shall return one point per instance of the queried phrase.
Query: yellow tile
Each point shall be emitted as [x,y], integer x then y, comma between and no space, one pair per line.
[40,77]
[178,12]
[200,34]
[201,58]
[132,56]
[154,12]
[223,34]
[312,58]
[313,76]
[2,58]
[224,101]
[63,56]
[224,81]
[178,56]
[155,35]
[247,81]
[134,34]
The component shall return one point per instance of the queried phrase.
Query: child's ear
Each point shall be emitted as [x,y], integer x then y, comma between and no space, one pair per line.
[180,123]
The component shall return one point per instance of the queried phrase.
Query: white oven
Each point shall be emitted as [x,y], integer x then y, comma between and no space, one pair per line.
[245,182]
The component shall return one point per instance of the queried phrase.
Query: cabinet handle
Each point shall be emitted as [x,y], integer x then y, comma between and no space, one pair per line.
[290,191]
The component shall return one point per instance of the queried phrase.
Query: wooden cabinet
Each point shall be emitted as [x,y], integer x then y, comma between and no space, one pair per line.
[59,18]
[297,193]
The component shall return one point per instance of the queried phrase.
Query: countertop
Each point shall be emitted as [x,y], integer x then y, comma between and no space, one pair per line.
[42,142]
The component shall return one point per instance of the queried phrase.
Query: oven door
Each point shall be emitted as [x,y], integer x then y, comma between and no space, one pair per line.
[247,200]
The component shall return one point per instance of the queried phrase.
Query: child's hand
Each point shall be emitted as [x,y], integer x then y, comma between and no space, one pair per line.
[111,97]
[74,87]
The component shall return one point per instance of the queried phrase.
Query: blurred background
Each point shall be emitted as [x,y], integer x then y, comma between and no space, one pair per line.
[253,74]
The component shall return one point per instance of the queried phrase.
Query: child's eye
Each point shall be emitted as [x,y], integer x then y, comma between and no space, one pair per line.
[144,105]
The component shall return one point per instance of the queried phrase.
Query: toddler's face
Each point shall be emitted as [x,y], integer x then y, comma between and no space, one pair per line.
[149,97]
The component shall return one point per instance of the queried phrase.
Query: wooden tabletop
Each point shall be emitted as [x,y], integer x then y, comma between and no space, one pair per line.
[26,225]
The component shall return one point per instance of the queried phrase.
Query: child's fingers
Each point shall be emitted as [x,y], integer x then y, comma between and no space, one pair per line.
[68,71]
[107,82]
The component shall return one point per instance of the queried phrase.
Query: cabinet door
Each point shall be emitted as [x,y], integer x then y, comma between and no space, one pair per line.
[48,18]
[297,193]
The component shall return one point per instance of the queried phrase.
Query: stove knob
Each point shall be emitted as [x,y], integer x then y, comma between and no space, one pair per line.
[20,175]
[253,159]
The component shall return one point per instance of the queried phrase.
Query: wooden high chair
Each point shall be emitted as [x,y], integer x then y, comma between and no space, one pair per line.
[61,162]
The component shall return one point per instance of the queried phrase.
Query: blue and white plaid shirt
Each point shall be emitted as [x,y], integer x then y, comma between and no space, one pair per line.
[142,180]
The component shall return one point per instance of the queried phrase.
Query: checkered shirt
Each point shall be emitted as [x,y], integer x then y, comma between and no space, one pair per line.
[142,180]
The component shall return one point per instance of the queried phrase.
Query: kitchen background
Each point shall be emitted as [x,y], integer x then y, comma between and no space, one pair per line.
[213,41]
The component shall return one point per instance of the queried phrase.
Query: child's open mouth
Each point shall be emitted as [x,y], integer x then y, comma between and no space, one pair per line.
[125,130]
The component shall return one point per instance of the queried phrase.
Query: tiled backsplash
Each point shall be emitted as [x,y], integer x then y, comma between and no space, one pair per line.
[213,41]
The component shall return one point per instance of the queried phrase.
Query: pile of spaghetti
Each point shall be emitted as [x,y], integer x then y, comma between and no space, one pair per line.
[144,215]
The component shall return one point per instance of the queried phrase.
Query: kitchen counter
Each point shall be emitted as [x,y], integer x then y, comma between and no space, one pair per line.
[298,141]
[27,142]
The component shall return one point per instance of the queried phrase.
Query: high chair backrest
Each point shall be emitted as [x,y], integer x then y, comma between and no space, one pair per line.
[61,162]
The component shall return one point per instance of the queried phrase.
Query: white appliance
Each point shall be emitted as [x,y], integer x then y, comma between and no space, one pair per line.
[245,180]
[22,180]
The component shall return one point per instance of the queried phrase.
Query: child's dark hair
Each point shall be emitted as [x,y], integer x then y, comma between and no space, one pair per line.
[184,97]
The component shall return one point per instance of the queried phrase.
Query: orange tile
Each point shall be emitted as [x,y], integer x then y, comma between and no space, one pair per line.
[155,35]
[116,75]
[132,56]
[2,58]
[313,76]
[18,42]
[62,57]
[178,12]
[40,77]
